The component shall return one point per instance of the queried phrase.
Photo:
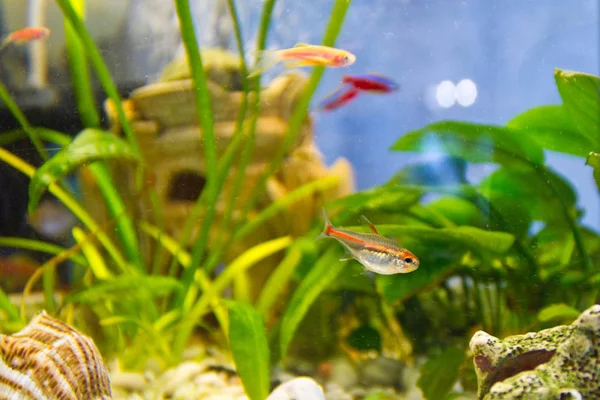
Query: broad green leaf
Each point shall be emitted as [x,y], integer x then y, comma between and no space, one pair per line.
[318,279]
[467,236]
[473,142]
[551,128]
[385,198]
[439,252]
[533,191]
[440,373]
[250,350]
[444,171]
[433,269]
[459,211]
[89,145]
[126,287]
[558,312]
[593,161]
[581,97]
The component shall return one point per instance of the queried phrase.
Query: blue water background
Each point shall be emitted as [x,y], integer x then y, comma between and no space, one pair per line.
[508,48]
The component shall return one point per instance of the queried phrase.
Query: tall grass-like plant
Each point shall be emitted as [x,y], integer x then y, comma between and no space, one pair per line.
[195,294]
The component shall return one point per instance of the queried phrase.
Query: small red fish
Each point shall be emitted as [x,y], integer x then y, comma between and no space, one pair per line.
[373,83]
[376,253]
[338,98]
[26,35]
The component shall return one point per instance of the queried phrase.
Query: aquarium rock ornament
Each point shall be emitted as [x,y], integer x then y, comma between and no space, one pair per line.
[557,363]
[164,118]
[48,359]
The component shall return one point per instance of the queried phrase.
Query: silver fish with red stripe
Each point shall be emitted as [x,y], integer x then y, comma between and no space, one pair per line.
[375,252]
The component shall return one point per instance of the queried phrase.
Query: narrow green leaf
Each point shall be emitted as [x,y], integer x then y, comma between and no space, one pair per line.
[318,279]
[296,195]
[128,286]
[581,97]
[33,134]
[248,342]
[551,128]
[593,161]
[473,142]
[439,374]
[90,145]
[204,113]
[560,312]
[238,266]
[279,279]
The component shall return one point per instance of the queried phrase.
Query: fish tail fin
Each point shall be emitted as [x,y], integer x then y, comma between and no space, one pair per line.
[265,59]
[327,229]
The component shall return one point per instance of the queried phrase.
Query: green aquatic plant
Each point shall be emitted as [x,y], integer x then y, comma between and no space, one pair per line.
[165,308]
[482,266]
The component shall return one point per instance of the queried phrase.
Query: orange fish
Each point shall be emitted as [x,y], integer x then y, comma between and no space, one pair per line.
[376,253]
[303,55]
[26,35]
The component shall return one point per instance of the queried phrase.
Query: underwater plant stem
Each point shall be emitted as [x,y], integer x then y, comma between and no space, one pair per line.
[69,201]
[301,110]
[239,130]
[22,119]
[263,28]
[117,208]
[100,68]
[38,245]
[80,77]
[89,115]
[227,158]
[204,112]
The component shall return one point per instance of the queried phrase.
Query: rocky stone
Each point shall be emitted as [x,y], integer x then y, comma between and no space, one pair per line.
[557,363]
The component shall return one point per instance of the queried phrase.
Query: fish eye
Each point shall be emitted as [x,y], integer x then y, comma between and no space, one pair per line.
[408,260]
[346,58]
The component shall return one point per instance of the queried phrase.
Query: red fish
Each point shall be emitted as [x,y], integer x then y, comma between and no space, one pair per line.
[338,98]
[371,82]
[26,35]
[376,253]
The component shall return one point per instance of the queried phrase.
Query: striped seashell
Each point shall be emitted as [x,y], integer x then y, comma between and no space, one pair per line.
[48,359]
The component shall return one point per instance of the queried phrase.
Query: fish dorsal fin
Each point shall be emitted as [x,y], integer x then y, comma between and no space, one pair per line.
[301,45]
[369,224]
